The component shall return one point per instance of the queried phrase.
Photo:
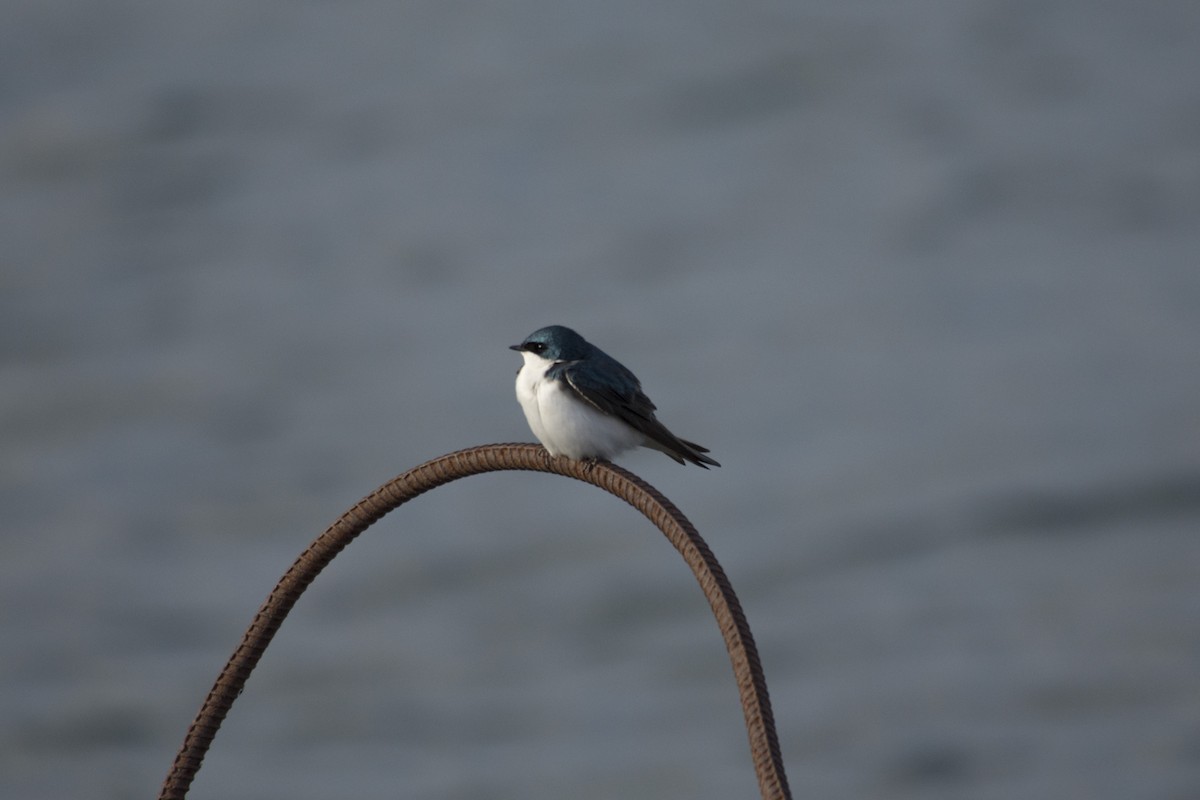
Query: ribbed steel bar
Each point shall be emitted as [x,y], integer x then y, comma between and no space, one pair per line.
[752,686]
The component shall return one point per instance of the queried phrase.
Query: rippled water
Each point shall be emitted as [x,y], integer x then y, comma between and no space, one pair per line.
[924,276]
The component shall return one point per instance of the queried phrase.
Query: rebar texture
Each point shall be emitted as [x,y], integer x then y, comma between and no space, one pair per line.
[752,686]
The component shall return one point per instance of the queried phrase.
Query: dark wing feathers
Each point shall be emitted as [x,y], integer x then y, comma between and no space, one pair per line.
[623,398]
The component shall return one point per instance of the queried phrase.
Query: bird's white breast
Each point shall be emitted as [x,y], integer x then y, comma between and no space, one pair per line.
[564,424]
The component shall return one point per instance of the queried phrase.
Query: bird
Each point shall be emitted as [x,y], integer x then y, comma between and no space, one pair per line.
[582,403]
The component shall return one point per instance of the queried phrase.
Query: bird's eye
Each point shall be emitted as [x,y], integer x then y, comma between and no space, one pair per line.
[536,347]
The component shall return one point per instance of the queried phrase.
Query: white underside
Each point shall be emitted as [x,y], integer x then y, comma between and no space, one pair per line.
[564,424]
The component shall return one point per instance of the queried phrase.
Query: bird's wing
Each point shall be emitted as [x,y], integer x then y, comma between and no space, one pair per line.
[621,396]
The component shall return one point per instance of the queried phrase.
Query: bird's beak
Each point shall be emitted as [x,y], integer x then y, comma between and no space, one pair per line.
[517,347]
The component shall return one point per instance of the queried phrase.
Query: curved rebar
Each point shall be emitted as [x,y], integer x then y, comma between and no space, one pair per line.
[752,686]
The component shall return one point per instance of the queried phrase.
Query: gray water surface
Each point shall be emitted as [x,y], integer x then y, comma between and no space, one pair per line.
[924,276]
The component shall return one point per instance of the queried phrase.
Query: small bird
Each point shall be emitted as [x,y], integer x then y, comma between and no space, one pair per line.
[582,403]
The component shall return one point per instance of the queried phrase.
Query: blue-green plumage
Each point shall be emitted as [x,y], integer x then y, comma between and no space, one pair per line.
[581,402]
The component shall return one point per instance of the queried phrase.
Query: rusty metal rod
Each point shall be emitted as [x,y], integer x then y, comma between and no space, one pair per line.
[747,670]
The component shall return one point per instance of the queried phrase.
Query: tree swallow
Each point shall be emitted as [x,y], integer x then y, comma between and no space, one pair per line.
[581,402]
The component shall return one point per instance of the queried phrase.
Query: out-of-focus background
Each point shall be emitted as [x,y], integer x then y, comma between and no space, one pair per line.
[925,276]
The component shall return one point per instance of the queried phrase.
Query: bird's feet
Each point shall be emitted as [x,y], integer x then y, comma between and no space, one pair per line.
[591,462]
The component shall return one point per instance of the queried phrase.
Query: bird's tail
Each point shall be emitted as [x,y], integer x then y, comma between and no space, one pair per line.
[684,451]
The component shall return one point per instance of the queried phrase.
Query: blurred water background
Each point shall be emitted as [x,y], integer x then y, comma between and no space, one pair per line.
[925,276]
